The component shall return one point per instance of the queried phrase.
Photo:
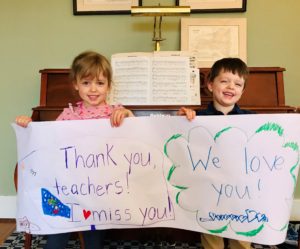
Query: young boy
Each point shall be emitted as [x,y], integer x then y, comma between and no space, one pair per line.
[227,81]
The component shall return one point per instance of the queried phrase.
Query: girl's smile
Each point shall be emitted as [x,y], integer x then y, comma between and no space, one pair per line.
[93,91]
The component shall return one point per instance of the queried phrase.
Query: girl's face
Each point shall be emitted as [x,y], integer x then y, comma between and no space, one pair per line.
[227,89]
[93,91]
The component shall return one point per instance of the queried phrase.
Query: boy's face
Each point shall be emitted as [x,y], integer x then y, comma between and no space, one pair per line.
[227,88]
[92,91]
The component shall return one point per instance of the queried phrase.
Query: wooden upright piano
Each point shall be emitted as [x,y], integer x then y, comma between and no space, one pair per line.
[264,94]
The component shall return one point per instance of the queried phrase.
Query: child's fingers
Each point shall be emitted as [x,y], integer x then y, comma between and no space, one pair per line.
[188,113]
[181,111]
[119,115]
[117,118]
[191,114]
[23,121]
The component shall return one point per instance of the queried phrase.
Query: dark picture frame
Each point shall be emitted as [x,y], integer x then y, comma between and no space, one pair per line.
[100,7]
[214,6]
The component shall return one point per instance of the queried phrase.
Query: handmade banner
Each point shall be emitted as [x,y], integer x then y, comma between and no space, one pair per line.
[233,176]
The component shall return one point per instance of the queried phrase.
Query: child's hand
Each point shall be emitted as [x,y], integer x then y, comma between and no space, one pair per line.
[118,116]
[187,112]
[23,120]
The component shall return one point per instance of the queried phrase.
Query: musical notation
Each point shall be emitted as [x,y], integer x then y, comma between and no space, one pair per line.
[158,78]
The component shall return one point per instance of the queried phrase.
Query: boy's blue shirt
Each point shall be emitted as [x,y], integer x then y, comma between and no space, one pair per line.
[211,110]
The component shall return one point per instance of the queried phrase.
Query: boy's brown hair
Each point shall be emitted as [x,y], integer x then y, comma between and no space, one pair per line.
[233,65]
[92,64]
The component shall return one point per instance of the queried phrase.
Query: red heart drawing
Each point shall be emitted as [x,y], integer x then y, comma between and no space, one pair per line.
[86,213]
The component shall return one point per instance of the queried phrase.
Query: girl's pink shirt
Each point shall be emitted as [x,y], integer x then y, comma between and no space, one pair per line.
[81,112]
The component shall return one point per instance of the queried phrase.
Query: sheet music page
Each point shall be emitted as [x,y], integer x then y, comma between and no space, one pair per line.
[158,78]
[131,79]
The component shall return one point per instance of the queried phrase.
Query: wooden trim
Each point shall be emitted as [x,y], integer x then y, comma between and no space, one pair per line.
[280,87]
[43,91]
[7,220]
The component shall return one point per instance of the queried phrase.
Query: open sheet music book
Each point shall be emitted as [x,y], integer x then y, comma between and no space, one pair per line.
[155,78]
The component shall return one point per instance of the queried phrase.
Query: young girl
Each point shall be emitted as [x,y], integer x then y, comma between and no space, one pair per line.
[91,76]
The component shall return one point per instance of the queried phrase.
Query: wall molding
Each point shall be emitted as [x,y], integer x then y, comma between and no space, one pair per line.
[9,209]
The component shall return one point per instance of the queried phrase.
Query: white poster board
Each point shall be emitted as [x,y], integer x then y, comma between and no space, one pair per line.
[233,176]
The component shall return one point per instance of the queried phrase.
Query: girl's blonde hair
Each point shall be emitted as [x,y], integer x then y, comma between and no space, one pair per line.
[90,64]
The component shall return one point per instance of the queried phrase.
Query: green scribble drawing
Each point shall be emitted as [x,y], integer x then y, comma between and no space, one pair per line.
[220,132]
[173,167]
[268,127]
[170,139]
[52,202]
[177,197]
[178,193]
[220,230]
[271,127]
[292,171]
[284,227]
[180,187]
[166,153]
[252,232]
[294,146]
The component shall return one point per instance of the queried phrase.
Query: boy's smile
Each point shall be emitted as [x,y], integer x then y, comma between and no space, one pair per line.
[227,89]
